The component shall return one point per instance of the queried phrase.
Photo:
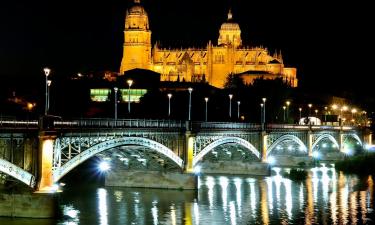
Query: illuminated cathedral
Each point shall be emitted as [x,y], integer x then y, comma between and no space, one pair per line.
[211,64]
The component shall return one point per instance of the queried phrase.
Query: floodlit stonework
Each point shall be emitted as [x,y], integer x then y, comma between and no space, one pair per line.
[212,64]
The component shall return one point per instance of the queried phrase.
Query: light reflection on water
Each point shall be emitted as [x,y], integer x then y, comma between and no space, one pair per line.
[325,197]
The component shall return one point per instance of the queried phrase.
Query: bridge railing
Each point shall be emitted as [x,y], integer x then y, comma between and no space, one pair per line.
[107,123]
[307,127]
[225,125]
[19,123]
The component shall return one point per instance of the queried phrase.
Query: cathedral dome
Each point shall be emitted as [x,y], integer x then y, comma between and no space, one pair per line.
[137,10]
[230,24]
[136,17]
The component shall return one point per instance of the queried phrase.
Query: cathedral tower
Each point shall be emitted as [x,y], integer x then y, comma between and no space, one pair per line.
[137,39]
[230,33]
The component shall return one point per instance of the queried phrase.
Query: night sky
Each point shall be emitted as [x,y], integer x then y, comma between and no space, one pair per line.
[330,42]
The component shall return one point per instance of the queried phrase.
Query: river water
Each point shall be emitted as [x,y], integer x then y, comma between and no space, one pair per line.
[325,197]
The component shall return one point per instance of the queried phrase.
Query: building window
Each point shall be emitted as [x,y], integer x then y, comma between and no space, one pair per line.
[99,95]
[135,94]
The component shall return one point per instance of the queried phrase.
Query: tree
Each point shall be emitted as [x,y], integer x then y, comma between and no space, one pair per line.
[234,81]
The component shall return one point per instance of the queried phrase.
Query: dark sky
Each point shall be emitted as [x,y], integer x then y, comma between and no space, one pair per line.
[330,42]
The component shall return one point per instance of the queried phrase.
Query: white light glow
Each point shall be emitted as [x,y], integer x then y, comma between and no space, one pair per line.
[271,160]
[104,166]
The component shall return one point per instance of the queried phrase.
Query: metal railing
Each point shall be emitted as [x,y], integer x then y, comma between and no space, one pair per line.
[307,127]
[225,125]
[148,123]
[110,123]
[19,123]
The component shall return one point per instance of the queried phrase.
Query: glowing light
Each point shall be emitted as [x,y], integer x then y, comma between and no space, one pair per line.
[104,166]
[290,148]
[324,145]
[302,148]
[271,160]
[197,170]
[102,206]
[71,212]
[348,151]
[316,155]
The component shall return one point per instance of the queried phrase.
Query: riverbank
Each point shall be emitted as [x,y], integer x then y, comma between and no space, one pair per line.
[361,164]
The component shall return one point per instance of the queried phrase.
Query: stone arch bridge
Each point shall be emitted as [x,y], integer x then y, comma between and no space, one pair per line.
[39,154]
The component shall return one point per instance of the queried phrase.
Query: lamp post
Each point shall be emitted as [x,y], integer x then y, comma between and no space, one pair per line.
[353,112]
[47,71]
[264,109]
[206,100]
[287,110]
[130,82]
[284,107]
[316,112]
[115,89]
[325,114]
[190,90]
[261,113]
[300,113]
[230,105]
[309,105]
[49,82]
[238,109]
[169,104]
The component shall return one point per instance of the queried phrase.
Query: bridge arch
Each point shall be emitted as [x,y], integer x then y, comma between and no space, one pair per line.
[18,173]
[222,141]
[356,137]
[286,137]
[58,173]
[323,136]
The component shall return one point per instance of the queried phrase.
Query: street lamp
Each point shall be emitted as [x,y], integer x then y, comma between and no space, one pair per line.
[264,109]
[130,82]
[261,112]
[115,89]
[309,105]
[287,110]
[230,105]
[169,104]
[353,112]
[190,90]
[316,113]
[49,82]
[206,100]
[238,109]
[284,107]
[300,113]
[325,114]
[47,71]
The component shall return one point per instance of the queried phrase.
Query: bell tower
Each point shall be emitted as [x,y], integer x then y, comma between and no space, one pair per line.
[137,39]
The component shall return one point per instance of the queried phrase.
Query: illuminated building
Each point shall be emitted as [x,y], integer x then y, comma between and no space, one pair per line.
[211,64]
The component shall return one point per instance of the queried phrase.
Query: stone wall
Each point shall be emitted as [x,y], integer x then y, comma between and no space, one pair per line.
[151,179]
[234,167]
[28,205]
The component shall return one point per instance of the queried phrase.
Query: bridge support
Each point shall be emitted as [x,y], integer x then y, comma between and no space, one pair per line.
[341,141]
[45,161]
[264,138]
[368,138]
[309,143]
[189,153]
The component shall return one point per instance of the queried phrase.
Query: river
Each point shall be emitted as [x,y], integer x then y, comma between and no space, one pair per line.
[325,197]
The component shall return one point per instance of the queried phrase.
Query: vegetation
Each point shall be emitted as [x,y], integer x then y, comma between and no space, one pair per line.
[361,164]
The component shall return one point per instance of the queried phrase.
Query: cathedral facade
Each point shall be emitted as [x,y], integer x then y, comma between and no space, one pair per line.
[211,64]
